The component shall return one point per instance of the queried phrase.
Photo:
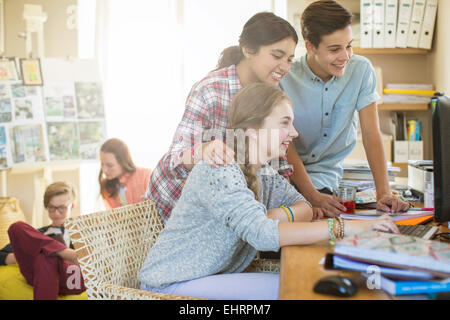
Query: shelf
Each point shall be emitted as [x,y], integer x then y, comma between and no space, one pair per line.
[403,107]
[364,51]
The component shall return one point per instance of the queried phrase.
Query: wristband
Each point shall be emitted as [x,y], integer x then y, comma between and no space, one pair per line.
[330,231]
[289,213]
[292,214]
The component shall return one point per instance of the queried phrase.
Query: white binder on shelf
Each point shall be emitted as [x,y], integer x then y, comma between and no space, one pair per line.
[366,16]
[378,23]
[404,18]
[390,23]
[415,26]
[429,19]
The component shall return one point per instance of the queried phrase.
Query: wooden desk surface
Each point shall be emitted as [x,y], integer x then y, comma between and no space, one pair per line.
[300,269]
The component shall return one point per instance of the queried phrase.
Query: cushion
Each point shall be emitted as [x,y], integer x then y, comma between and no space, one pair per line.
[14,287]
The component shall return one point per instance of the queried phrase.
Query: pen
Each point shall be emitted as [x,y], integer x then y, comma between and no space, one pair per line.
[421,209]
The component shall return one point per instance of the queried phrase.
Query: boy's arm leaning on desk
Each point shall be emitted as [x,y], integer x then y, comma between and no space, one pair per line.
[323,204]
[373,145]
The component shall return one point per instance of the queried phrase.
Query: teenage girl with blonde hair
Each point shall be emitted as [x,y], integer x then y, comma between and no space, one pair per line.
[227,213]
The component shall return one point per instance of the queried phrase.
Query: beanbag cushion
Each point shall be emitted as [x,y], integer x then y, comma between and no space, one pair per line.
[14,287]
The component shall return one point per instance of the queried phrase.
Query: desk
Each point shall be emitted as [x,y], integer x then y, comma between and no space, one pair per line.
[300,269]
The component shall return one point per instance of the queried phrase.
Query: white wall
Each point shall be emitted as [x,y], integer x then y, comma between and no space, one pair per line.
[440,57]
[60,41]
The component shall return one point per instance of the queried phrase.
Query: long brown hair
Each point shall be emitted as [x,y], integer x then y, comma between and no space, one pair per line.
[322,18]
[249,108]
[120,150]
[263,29]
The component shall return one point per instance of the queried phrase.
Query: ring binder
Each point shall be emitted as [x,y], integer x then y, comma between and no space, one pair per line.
[404,17]
[367,23]
[426,34]
[416,23]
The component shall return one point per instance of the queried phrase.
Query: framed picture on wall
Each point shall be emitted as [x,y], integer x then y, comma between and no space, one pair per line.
[8,71]
[31,72]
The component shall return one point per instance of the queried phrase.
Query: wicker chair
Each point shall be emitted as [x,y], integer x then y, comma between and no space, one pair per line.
[112,245]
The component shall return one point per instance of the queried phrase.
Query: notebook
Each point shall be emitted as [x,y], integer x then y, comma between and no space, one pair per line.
[405,287]
[333,261]
[397,250]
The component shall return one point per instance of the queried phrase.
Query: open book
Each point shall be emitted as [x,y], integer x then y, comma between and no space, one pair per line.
[399,251]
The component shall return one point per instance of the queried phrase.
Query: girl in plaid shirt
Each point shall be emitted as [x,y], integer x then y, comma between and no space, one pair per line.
[265,52]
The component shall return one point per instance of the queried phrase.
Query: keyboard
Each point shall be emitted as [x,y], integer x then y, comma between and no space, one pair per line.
[421,231]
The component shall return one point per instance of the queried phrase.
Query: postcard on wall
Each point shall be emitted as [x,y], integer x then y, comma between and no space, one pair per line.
[4,163]
[5,103]
[8,71]
[59,101]
[26,103]
[27,143]
[23,109]
[92,135]
[63,140]
[31,72]
[90,100]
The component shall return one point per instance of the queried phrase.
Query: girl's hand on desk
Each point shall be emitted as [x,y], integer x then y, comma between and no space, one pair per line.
[390,203]
[384,223]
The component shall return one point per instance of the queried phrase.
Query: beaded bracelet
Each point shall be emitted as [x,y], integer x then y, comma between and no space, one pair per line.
[342,230]
[339,230]
[336,228]
[287,213]
[330,231]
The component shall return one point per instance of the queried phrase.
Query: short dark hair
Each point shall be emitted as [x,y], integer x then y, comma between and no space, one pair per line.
[322,18]
[56,189]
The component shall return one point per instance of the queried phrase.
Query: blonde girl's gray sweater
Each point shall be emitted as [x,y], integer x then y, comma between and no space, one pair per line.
[217,226]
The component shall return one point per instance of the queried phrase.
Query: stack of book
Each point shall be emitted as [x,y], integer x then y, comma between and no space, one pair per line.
[408,93]
[362,172]
[397,264]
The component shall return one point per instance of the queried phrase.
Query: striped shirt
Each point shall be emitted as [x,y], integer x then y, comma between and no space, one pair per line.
[204,119]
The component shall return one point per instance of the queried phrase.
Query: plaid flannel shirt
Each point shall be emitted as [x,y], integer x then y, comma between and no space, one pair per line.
[204,119]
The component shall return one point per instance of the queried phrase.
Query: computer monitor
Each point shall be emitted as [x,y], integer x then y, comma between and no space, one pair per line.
[440,108]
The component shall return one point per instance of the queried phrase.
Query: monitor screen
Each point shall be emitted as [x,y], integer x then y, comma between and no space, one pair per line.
[440,108]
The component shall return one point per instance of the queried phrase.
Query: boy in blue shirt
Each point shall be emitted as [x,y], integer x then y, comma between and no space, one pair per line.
[329,87]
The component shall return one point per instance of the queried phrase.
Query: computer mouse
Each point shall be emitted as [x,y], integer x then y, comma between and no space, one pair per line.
[336,286]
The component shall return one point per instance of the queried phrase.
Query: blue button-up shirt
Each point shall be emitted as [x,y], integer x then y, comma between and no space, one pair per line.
[326,115]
